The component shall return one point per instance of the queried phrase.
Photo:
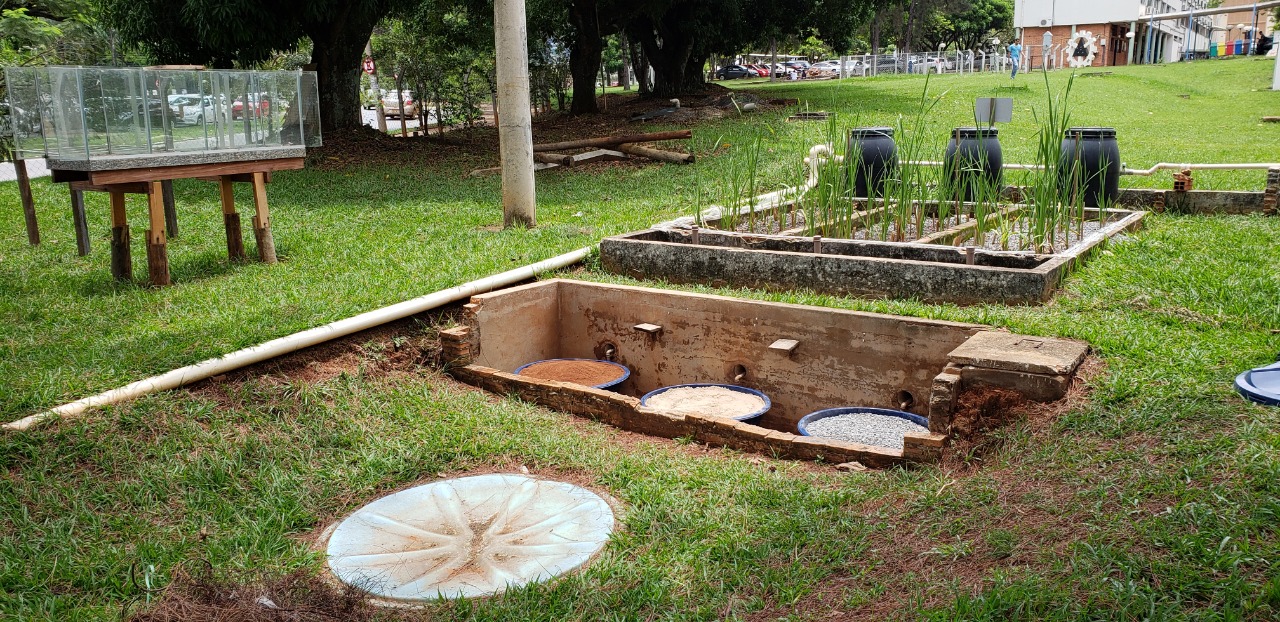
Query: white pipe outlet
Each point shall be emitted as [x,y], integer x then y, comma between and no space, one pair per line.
[304,339]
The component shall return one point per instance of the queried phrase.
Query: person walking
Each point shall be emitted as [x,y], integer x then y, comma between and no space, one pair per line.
[1015,56]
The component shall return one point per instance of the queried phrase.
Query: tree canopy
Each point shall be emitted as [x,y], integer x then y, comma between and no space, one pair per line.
[222,33]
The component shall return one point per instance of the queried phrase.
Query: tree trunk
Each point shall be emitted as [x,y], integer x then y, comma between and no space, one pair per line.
[584,55]
[911,19]
[875,35]
[641,64]
[338,52]
[625,77]
[671,58]
[695,74]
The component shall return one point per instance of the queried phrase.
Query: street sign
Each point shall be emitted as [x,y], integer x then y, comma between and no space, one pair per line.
[368,66]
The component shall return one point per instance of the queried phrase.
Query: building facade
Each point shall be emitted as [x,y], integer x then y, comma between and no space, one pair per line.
[1123,31]
[1243,25]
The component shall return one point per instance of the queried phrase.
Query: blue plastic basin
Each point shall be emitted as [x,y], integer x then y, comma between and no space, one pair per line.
[844,410]
[626,373]
[1261,385]
[748,418]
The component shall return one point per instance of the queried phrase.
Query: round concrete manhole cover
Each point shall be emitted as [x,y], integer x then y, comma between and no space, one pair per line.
[471,536]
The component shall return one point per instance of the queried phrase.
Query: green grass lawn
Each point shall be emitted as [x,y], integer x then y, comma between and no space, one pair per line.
[1155,499]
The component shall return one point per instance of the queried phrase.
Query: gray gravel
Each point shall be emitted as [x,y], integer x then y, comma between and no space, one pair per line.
[865,428]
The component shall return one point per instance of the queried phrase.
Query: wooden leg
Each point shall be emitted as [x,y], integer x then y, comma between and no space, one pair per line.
[231,220]
[81,224]
[28,203]
[157,251]
[121,256]
[170,210]
[262,222]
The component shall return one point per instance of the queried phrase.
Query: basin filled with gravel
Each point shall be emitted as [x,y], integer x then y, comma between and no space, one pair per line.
[879,427]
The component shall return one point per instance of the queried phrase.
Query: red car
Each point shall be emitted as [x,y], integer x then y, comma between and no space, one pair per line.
[760,70]
[260,105]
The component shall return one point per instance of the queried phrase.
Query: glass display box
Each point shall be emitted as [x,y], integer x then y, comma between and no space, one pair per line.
[86,118]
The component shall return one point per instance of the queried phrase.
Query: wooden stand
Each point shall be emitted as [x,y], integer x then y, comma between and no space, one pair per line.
[121,256]
[157,242]
[80,222]
[157,184]
[231,220]
[170,210]
[28,203]
[261,221]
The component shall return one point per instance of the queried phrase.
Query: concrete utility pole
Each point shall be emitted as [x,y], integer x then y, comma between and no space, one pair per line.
[377,92]
[1275,76]
[515,131]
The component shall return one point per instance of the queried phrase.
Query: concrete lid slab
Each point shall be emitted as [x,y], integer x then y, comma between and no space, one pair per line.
[1013,352]
[470,536]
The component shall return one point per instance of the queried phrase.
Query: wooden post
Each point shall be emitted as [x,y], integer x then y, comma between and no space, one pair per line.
[261,221]
[80,222]
[170,210]
[157,251]
[231,220]
[121,256]
[28,203]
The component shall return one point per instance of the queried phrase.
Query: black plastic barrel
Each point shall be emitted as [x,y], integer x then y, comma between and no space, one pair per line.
[872,158]
[973,162]
[1089,167]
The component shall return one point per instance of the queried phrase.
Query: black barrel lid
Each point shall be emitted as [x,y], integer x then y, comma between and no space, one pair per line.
[975,132]
[1261,384]
[1091,132]
[870,132]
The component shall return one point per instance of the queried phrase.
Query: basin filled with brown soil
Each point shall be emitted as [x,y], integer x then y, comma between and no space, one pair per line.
[589,372]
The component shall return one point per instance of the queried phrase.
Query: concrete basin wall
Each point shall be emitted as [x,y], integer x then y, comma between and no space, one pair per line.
[842,358]
[932,273]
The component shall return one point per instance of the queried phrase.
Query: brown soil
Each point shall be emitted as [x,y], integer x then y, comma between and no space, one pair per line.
[477,147]
[300,597]
[589,373]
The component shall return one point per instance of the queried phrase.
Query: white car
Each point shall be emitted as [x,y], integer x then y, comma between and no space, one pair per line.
[192,109]
[391,106]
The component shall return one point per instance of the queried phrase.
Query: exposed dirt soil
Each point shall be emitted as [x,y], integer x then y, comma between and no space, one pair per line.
[365,145]
[297,597]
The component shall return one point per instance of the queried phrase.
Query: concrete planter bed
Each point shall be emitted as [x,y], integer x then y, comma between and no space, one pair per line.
[930,272]
[804,358]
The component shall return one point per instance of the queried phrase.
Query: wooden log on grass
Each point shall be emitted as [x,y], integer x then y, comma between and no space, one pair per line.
[554,158]
[656,154]
[610,141]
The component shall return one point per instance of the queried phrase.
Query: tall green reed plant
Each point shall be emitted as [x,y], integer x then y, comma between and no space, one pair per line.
[1050,210]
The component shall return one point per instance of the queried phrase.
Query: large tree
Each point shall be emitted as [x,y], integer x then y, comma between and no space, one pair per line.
[226,32]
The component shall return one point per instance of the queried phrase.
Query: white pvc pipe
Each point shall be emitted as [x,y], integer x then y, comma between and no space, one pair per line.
[1199,167]
[824,151]
[304,339]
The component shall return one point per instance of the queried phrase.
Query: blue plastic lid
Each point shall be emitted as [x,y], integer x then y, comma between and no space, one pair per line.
[1261,384]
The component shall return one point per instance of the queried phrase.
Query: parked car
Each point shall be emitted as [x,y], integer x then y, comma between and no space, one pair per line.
[259,106]
[392,107]
[761,70]
[730,72]
[192,109]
